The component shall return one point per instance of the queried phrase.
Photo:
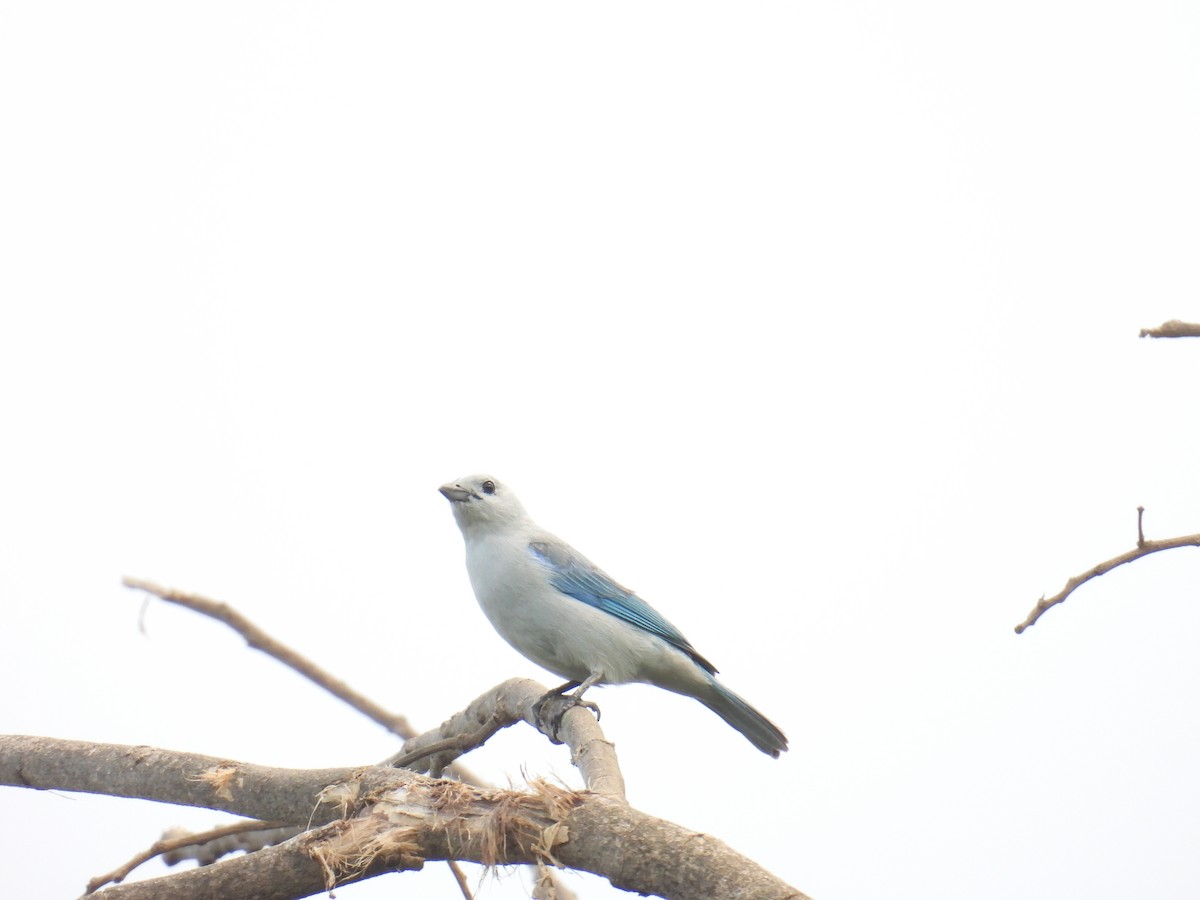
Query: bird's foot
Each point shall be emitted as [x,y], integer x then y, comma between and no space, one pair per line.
[550,708]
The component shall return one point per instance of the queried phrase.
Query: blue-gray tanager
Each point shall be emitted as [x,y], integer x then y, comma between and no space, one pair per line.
[559,610]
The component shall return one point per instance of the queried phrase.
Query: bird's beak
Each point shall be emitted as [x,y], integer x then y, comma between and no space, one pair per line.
[454,493]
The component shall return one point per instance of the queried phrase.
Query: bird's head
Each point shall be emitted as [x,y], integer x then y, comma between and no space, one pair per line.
[481,501]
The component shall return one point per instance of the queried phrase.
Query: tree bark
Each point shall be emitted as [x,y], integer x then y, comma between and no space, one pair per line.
[376,819]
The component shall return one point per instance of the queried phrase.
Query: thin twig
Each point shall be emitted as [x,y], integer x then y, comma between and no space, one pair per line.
[166,845]
[461,877]
[1172,329]
[212,851]
[260,640]
[1143,548]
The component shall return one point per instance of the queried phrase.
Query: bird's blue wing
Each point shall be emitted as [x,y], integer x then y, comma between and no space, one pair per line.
[575,576]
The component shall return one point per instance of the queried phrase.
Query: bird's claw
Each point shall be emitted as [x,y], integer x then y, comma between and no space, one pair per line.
[550,708]
[586,704]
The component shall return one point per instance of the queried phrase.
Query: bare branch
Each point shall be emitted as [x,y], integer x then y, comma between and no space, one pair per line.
[169,776]
[170,843]
[461,878]
[210,851]
[503,705]
[389,819]
[1143,548]
[1172,329]
[260,640]
[282,872]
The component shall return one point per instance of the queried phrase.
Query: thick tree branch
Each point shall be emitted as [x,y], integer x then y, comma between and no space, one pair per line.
[171,776]
[1172,329]
[377,819]
[1143,548]
[500,707]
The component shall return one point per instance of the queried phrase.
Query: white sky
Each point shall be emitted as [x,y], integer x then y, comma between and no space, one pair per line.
[814,323]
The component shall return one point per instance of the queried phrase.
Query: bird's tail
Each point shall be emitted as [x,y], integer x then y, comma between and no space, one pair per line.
[756,727]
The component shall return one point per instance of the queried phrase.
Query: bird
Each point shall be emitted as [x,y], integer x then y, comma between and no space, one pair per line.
[562,612]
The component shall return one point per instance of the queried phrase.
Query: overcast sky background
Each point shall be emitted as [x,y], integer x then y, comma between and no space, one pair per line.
[816,324]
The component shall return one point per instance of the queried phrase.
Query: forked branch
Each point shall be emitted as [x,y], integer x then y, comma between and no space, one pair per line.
[377,819]
[1143,548]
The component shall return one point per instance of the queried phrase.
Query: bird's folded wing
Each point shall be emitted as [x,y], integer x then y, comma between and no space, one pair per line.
[573,575]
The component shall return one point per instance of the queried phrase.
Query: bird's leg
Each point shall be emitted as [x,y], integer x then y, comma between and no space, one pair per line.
[577,694]
[553,705]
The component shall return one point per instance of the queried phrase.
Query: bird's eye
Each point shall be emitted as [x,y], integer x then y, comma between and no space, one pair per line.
[489,487]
